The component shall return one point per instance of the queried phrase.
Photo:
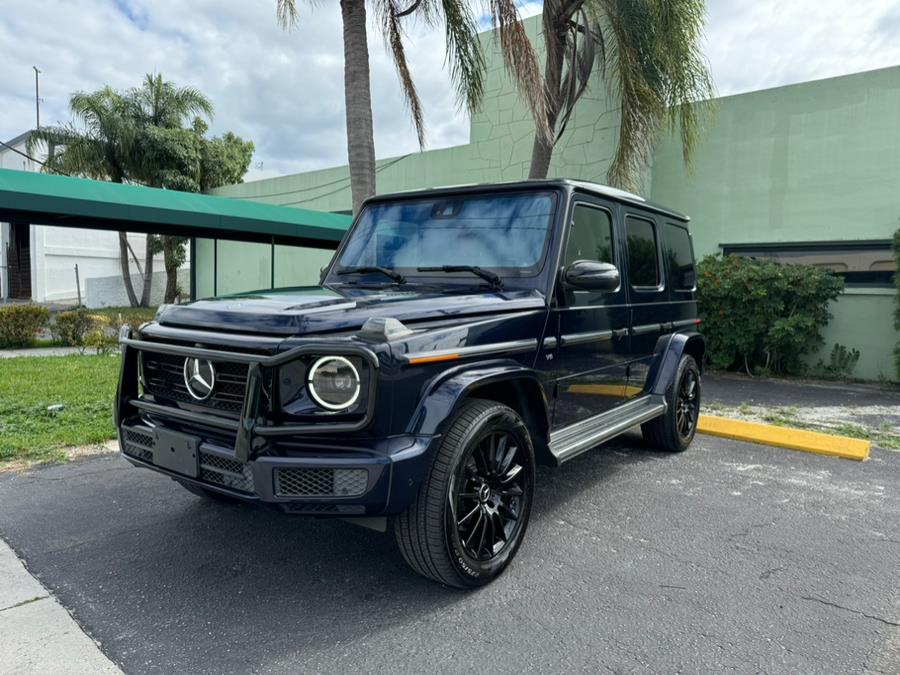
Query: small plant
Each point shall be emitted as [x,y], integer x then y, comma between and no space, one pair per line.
[20,324]
[840,364]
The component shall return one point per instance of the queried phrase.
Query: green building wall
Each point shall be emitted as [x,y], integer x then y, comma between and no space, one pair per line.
[818,161]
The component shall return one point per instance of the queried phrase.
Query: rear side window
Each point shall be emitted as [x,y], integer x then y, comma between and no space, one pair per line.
[590,237]
[643,262]
[679,258]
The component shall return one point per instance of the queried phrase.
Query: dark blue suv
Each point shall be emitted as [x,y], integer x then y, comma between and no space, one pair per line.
[459,337]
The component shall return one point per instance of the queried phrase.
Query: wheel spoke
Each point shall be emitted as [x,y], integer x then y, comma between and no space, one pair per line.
[508,458]
[469,515]
[510,475]
[507,512]
[512,491]
[468,495]
[500,531]
[476,527]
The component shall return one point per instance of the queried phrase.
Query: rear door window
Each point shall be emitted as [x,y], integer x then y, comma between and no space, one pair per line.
[643,258]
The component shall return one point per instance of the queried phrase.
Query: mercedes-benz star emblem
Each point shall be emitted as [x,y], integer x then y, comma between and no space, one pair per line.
[199,378]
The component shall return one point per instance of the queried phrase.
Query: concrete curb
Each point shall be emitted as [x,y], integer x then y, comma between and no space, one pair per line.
[793,439]
[39,636]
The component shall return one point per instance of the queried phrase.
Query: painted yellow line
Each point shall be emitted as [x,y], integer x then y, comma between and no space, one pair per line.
[795,439]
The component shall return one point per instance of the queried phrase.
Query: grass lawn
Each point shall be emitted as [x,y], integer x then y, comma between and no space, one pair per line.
[85,385]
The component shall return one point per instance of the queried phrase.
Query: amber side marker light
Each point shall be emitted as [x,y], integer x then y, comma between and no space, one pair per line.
[433,359]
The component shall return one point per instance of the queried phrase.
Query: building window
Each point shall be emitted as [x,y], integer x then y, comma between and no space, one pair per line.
[861,263]
[643,262]
[679,258]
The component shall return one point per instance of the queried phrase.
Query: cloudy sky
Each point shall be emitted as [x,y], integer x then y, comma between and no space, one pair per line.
[284,90]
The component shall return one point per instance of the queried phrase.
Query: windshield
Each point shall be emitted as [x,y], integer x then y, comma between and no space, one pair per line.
[506,233]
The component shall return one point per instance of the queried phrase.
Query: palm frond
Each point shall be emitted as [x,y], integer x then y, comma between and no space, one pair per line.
[521,62]
[464,55]
[286,13]
[393,35]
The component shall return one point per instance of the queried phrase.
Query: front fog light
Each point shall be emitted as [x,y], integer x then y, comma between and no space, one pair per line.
[333,382]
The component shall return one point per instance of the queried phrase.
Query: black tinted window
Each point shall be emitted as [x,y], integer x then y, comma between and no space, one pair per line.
[679,258]
[591,235]
[643,263]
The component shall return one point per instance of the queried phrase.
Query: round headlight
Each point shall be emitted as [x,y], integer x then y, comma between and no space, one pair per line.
[333,382]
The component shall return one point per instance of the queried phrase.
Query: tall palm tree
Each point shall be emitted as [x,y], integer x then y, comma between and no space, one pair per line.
[464,57]
[648,51]
[104,146]
[101,149]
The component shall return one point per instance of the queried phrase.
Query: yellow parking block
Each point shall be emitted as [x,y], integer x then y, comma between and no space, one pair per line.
[795,439]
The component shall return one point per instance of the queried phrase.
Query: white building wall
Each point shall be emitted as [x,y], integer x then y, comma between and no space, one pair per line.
[56,250]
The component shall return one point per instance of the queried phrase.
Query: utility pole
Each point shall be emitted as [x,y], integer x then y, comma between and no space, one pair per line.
[37,97]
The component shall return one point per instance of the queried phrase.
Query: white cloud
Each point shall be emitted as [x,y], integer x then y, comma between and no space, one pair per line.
[285,90]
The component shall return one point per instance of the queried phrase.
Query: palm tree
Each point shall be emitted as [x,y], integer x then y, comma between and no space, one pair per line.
[163,105]
[101,150]
[649,53]
[106,148]
[464,57]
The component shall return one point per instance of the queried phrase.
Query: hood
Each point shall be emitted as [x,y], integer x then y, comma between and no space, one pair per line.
[306,311]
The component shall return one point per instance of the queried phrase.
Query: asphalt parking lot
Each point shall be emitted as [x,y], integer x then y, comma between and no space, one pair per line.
[727,558]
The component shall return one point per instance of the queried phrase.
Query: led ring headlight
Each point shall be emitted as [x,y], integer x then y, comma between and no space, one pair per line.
[333,382]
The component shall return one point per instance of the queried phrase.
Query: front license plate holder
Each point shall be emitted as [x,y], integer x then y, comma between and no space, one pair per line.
[176,452]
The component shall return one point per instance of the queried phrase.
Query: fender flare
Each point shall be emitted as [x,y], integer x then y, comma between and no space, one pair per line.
[442,396]
[670,349]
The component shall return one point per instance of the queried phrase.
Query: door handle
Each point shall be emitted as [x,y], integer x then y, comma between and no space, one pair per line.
[619,333]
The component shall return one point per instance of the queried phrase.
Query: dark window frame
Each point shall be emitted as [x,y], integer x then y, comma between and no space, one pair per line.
[684,228]
[660,277]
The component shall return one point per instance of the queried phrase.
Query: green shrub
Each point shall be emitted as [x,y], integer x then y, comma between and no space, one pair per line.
[20,324]
[72,326]
[897,310]
[762,316]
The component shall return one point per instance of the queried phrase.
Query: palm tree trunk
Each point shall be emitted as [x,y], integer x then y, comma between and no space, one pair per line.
[148,273]
[554,37]
[168,246]
[126,269]
[358,101]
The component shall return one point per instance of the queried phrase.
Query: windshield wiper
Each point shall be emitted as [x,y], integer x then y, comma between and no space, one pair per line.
[493,279]
[394,276]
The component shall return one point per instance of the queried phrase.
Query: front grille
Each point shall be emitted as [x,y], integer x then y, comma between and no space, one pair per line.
[320,482]
[164,378]
[310,509]
[226,472]
[138,445]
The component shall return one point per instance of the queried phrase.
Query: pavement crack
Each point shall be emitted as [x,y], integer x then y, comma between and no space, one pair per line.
[828,603]
[24,602]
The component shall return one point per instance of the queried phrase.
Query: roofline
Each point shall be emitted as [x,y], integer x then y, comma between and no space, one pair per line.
[567,184]
[21,137]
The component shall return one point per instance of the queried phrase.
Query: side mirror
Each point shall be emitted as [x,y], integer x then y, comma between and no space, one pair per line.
[590,275]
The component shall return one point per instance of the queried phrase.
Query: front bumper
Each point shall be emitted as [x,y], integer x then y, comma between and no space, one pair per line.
[379,479]
[314,469]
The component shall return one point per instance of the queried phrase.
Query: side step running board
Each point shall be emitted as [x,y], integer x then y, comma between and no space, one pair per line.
[574,439]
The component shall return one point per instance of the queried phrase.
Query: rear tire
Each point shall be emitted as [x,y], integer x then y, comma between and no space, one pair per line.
[470,515]
[675,430]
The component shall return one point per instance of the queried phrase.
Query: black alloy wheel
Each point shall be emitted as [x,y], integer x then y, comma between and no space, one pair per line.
[488,496]
[674,430]
[471,512]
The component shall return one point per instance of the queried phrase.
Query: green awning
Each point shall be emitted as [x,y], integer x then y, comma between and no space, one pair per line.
[45,199]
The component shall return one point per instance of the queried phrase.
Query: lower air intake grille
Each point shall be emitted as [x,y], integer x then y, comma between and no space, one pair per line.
[320,482]
[226,472]
[138,445]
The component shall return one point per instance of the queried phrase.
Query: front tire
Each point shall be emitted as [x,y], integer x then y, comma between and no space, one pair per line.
[470,515]
[675,430]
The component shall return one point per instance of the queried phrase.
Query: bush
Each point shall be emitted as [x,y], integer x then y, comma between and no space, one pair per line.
[20,324]
[72,326]
[762,316]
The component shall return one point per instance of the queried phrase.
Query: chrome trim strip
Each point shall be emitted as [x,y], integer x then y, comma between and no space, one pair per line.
[684,323]
[478,350]
[580,338]
[550,343]
[646,328]
[575,439]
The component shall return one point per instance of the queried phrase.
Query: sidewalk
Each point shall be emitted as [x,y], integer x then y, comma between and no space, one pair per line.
[41,351]
[39,636]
